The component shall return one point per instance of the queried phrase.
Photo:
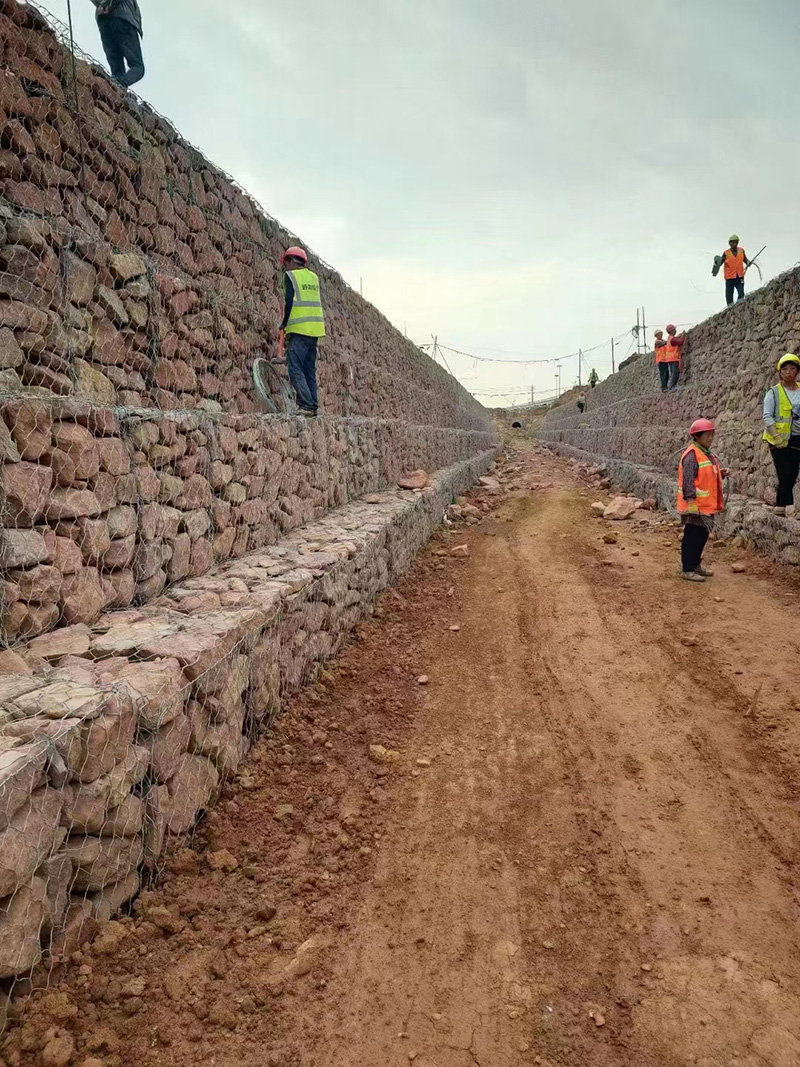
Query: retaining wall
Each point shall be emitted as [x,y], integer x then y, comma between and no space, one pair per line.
[171,560]
[730,362]
[117,735]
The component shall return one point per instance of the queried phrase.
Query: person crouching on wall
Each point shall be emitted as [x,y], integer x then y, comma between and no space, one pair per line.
[700,498]
[782,433]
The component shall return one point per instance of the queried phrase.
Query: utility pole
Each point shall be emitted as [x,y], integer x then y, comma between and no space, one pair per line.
[613,368]
[580,361]
[638,335]
[644,331]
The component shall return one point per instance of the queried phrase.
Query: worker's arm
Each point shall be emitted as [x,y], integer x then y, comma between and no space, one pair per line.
[690,470]
[769,408]
[288,292]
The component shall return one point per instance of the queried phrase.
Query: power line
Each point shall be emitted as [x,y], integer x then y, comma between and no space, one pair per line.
[522,362]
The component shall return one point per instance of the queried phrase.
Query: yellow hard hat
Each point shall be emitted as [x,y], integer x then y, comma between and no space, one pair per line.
[733,237]
[790,357]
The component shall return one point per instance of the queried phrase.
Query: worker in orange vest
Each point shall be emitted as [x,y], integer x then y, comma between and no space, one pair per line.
[673,355]
[659,346]
[735,261]
[700,498]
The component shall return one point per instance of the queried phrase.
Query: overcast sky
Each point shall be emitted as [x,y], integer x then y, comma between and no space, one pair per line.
[514,177]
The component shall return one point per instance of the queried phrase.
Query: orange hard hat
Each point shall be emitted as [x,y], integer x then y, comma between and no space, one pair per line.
[295,251]
[701,426]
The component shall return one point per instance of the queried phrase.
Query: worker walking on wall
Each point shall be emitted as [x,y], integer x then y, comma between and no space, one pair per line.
[782,433]
[700,498]
[673,356]
[120,25]
[304,323]
[735,262]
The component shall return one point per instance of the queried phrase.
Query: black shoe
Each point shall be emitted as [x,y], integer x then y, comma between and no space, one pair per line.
[307,413]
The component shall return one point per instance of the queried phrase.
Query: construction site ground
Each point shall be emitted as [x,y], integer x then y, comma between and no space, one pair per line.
[585,853]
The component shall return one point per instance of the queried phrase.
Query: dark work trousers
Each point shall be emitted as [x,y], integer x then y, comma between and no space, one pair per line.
[734,285]
[674,373]
[121,44]
[787,467]
[302,361]
[694,541]
[663,373]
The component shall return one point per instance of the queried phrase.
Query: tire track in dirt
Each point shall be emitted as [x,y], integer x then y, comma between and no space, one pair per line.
[594,863]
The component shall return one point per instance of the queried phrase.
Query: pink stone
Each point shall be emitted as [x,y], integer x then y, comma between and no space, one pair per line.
[82,596]
[26,487]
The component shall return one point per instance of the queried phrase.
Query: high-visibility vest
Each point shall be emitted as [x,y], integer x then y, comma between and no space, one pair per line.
[707,486]
[672,353]
[306,316]
[661,351]
[783,419]
[734,264]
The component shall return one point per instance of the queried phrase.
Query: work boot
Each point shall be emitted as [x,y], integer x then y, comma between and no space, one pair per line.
[703,572]
[692,576]
[779,511]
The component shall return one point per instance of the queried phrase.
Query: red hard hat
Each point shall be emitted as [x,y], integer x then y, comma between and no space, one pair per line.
[295,250]
[671,328]
[701,426]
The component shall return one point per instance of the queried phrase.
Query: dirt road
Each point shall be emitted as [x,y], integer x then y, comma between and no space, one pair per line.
[597,869]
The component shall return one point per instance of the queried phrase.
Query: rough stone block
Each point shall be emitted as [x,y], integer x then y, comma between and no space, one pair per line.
[32,834]
[100,861]
[20,929]
[191,790]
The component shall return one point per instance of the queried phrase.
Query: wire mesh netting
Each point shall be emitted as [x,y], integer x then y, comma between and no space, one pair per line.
[167,568]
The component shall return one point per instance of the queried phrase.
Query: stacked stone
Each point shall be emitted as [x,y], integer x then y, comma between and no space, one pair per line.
[115,736]
[101,510]
[148,278]
[730,362]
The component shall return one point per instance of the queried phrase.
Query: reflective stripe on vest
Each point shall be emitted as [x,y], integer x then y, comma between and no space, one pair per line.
[734,264]
[306,316]
[707,486]
[672,353]
[779,437]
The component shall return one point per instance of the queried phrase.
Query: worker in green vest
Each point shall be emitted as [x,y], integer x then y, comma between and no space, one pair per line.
[303,324]
[782,433]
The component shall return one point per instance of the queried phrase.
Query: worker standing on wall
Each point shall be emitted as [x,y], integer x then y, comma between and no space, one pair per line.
[659,348]
[673,356]
[120,25]
[700,498]
[782,433]
[735,262]
[304,323]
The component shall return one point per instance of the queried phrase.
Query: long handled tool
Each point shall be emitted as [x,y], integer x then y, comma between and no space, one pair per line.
[753,263]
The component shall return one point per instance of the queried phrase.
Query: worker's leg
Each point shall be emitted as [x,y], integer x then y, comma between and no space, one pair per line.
[112,46]
[295,359]
[131,45]
[738,284]
[663,372]
[785,461]
[674,373]
[792,470]
[729,291]
[311,372]
[694,541]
